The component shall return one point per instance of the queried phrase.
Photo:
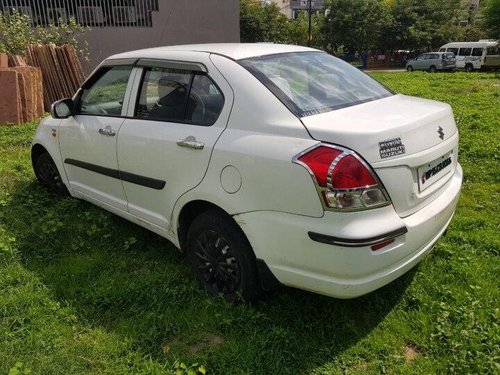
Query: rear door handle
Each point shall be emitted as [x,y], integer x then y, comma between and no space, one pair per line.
[191,142]
[107,131]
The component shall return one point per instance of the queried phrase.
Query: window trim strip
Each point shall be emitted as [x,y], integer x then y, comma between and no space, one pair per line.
[172,64]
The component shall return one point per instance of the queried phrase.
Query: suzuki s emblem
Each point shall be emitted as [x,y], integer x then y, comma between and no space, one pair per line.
[441,132]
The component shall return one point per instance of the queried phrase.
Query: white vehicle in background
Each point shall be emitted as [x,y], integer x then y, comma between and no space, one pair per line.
[472,56]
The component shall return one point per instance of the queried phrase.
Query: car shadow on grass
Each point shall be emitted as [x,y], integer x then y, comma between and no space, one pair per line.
[133,284]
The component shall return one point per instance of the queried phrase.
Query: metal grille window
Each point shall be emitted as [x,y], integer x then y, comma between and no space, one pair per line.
[94,13]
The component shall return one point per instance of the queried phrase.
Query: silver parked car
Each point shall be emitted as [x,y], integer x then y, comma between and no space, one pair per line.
[432,62]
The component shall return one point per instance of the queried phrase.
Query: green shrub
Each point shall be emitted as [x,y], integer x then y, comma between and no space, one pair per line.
[17,32]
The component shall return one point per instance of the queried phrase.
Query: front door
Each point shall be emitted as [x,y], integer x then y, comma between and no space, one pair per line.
[88,139]
[166,147]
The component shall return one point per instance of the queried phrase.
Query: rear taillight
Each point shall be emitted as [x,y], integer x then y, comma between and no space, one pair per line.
[343,180]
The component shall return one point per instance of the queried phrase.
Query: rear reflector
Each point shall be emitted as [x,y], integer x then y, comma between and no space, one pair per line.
[382,244]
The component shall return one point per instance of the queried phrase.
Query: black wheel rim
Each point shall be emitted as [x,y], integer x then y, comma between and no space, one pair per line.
[49,176]
[216,263]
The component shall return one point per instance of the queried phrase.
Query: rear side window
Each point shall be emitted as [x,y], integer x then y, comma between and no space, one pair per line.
[492,51]
[464,51]
[104,94]
[174,95]
[477,51]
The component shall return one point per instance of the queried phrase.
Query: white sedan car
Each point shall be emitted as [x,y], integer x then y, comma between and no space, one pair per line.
[269,164]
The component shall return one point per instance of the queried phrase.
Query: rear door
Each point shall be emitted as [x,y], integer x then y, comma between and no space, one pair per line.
[180,107]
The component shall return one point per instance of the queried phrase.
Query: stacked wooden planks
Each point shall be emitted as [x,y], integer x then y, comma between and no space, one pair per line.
[21,93]
[62,71]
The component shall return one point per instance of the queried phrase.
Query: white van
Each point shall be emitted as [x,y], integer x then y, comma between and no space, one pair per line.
[474,55]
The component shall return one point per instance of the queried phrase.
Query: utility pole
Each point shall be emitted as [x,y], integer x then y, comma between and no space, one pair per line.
[310,14]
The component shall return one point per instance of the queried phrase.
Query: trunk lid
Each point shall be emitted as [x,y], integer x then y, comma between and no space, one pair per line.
[411,143]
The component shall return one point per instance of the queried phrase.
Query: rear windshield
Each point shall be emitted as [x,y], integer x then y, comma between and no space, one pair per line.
[309,83]
[448,55]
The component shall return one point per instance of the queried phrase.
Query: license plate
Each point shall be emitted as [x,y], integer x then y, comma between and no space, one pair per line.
[433,171]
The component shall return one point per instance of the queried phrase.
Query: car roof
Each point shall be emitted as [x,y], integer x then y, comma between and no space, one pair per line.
[235,51]
[484,43]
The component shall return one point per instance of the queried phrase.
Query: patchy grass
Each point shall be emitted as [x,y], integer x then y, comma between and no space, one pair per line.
[83,291]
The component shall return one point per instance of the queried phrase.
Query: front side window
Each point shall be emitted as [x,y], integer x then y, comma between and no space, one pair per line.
[464,51]
[309,83]
[105,93]
[453,50]
[179,96]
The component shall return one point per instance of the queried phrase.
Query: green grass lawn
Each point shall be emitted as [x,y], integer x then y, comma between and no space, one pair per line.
[83,291]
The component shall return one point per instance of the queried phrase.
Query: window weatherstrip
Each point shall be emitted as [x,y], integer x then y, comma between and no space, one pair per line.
[117,62]
[135,90]
[171,64]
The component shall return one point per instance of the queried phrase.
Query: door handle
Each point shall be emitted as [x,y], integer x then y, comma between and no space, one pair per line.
[190,142]
[107,131]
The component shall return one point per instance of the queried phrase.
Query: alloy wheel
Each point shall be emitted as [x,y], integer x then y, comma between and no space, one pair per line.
[216,263]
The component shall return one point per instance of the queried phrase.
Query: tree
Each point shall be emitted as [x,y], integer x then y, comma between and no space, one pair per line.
[491,20]
[357,25]
[298,30]
[426,24]
[262,23]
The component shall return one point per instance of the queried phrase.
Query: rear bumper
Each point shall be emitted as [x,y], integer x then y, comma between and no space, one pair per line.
[283,242]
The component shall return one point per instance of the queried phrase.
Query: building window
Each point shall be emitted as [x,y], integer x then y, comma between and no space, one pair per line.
[94,13]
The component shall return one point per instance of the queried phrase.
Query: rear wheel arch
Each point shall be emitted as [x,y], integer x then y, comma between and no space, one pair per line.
[188,213]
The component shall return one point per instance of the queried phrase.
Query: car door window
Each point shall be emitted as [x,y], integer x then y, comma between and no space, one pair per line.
[477,52]
[492,51]
[179,96]
[209,101]
[104,95]
[164,94]
[464,51]
[453,50]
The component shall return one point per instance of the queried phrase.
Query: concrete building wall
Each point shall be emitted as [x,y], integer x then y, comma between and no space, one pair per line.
[176,22]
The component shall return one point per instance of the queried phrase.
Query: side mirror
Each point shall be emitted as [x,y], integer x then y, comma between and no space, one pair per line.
[63,108]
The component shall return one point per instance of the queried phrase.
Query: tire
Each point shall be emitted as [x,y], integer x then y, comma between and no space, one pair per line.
[432,69]
[48,176]
[222,258]
[469,68]
[409,68]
